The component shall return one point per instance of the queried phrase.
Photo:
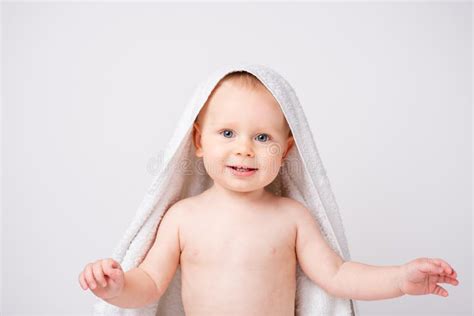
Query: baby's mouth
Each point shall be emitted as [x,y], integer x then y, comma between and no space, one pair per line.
[242,168]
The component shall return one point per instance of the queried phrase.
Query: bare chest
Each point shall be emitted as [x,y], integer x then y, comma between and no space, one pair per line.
[238,240]
[244,261]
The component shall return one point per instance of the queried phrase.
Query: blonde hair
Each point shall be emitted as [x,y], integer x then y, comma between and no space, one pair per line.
[243,79]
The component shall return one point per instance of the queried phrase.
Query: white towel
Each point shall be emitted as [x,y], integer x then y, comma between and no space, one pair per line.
[309,186]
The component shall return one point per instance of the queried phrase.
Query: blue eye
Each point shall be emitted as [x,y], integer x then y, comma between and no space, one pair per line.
[264,138]
[227,133]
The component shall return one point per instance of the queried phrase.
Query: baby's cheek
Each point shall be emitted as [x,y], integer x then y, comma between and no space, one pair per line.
[211,166]
[272,166]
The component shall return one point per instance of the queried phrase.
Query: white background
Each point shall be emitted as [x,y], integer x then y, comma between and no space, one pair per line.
[92,93]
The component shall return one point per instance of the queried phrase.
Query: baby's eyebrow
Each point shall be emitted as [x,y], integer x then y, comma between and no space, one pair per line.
[228,124]
[231,124]
[256,130]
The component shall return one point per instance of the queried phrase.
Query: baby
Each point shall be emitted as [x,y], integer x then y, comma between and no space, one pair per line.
[239,230]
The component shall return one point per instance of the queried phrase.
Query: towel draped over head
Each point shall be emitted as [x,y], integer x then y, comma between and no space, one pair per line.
[180,174]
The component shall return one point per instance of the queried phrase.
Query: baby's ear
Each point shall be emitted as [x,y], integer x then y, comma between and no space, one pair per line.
[289,144]
[197,139]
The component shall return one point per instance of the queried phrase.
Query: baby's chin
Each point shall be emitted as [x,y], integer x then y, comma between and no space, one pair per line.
[244,189]
[243,186]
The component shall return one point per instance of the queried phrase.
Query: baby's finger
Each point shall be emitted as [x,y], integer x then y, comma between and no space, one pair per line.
[454,274]
[82,281]
[428,266]
[446,267]
[440,291]
[99,273]
[452,281]
[114,264]
[447,279]
[109,271]
[89,276]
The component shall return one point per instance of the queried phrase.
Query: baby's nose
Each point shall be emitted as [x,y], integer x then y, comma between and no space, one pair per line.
[244,149]
[248,153]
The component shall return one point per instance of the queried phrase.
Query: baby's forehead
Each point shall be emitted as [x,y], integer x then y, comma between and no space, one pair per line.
[232,98]
[232,103]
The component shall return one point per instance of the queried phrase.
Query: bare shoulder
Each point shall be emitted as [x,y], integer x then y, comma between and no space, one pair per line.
[295,210]
[183,207]
[292,205]
[179,207]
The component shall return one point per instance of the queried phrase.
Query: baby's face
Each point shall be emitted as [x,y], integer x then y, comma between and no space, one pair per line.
[242,127]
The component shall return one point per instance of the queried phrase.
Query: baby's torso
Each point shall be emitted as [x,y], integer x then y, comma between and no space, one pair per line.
[238,262]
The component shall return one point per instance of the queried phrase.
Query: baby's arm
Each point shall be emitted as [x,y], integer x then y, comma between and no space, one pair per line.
[146,283]
[137,290]
[349,279]
[417,277]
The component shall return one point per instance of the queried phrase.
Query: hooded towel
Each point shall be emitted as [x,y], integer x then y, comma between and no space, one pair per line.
[310,186]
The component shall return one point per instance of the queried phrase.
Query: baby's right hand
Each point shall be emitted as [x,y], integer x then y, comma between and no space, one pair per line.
[104,277]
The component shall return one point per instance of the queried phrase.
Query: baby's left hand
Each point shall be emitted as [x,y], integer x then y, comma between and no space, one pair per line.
[419,277]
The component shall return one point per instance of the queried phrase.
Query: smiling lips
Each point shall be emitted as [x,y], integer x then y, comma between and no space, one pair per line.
[242,171]
[242,168]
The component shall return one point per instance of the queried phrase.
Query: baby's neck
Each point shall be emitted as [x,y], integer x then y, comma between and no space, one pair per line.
[220,193]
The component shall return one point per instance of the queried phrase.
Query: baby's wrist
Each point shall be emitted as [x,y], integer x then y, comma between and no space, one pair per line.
[116,297]
[399,278]
[111,298]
